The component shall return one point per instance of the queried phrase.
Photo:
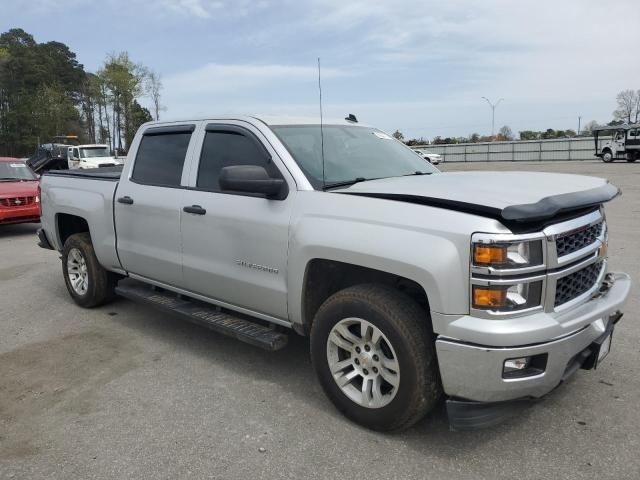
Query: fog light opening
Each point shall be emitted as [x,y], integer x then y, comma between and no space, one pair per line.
[522,367]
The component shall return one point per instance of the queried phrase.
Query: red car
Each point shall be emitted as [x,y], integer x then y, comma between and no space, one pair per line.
[19,195]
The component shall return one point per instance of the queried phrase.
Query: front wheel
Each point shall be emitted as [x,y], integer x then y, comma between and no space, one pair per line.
[374,356]
[88,283]
[607,157]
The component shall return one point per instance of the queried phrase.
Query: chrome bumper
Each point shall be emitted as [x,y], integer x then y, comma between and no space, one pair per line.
[474,372]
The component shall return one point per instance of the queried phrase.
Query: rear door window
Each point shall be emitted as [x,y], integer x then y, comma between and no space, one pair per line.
[161,156]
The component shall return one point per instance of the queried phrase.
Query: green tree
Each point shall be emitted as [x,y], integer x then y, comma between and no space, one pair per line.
[505,133]
[39,91]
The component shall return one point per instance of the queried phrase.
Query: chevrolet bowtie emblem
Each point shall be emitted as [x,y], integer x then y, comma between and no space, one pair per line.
[18,202]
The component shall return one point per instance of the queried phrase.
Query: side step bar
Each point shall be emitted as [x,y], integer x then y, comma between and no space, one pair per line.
[205,315]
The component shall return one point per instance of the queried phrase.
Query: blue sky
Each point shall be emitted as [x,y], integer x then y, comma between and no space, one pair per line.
[420,66]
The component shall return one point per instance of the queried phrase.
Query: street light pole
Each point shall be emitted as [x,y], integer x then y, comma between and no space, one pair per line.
[493,114]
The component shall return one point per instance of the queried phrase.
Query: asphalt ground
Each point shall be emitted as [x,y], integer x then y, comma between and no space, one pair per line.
[124,391]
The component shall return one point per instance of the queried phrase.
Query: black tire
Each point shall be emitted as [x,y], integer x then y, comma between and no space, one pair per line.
[632,157]
[100,284]
[610,158]
[405,324]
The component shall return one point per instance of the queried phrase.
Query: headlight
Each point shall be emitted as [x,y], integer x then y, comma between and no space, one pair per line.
[507,298]
[508,255]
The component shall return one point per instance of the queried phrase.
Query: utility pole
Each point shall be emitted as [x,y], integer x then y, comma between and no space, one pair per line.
[579,120]
[493,114]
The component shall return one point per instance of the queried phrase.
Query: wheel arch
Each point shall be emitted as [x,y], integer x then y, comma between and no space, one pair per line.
[68,224]
[323,277]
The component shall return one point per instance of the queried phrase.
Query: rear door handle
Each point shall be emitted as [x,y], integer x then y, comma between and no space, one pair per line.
[195,209]
[126,200]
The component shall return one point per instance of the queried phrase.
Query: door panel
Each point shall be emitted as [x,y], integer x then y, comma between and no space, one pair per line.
[148,205]
[148,231]
[237,251]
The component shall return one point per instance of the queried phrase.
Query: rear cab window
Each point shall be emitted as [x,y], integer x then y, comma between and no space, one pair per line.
[161,155]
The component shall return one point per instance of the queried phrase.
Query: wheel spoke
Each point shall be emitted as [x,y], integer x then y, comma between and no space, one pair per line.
[377,392]
[389,377]
[346,334]
[367,394]
[346,379]
[339,366]
[339,341]
[375,337]
[389,363]
[366,330]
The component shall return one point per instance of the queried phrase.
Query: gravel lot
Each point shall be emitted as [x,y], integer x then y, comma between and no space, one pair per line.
[126,392]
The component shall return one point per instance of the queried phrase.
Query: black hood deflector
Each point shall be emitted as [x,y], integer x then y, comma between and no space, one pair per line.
[514,215]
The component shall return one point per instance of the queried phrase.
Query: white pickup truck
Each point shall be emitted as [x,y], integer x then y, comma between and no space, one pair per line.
[488,288]
[91,156]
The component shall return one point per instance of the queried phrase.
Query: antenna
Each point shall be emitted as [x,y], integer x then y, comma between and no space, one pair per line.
[321,129]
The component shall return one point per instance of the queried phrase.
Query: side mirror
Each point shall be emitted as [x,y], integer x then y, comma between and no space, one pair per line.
[252,179]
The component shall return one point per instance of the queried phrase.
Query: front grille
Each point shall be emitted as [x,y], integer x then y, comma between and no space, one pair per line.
[16,201]
[577,283]
[572,242]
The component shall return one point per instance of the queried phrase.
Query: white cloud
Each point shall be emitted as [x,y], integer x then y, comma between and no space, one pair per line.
[216,78]
[194,8]
[208,86]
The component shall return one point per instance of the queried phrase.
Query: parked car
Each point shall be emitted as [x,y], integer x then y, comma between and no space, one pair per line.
[91,156]
[623,145]
[19,197]
[431,157]
[490,287]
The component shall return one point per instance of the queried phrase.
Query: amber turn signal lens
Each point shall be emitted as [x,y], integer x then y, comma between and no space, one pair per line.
[487,297]
[489,254]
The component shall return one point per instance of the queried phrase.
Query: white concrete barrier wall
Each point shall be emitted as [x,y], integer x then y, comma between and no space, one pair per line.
[527,151]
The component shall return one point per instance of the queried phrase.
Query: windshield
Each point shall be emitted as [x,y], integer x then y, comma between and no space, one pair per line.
[350,153]
[15,171]
[94,152]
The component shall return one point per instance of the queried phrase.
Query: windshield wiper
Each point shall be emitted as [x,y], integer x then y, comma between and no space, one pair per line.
[346,183]
[416,173]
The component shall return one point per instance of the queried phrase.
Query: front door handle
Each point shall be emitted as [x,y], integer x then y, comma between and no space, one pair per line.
[195,209]
[126,200]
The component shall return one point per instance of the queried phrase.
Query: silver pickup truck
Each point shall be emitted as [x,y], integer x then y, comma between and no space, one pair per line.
[487,288]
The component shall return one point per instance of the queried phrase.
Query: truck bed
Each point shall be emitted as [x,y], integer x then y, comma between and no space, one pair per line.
[85,194]
[105,173]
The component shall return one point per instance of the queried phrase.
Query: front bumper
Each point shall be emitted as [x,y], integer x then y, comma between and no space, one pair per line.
[474,372]
[29,213]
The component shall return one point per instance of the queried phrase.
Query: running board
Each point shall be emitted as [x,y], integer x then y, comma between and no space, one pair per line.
[205,315]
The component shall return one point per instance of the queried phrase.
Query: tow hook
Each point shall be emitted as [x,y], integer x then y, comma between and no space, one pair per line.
[606,285]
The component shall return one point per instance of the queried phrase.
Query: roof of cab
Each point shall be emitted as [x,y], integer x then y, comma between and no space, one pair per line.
[270,120]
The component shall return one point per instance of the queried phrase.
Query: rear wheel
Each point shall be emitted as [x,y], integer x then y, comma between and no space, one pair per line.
[632,157]
[88,283]
[375,357]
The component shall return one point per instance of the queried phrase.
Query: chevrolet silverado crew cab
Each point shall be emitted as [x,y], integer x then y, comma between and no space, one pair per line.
[488,288]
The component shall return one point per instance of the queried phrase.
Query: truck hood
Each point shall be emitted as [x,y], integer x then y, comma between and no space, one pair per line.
[18,189]
[507,196]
